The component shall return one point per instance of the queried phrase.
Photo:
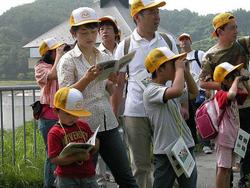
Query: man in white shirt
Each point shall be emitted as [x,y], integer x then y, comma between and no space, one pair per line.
[144,38]
[194,58]
[109,33]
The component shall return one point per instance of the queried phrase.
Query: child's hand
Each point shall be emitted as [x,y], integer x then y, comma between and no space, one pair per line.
[92,73]
[179,63]
[82,156]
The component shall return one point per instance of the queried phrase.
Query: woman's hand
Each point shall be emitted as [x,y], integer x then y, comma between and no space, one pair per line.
[92,73]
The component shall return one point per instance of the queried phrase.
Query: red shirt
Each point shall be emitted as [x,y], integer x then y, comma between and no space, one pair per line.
[57,141]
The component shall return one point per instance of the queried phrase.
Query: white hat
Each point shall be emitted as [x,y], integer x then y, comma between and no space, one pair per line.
[83,15]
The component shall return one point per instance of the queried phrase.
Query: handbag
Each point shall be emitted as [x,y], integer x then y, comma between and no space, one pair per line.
[37,108]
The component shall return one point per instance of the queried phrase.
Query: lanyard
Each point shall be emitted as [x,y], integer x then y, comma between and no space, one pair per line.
[66,137]
[177,116]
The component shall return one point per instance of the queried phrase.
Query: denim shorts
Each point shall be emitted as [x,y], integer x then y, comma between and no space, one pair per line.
[64,182]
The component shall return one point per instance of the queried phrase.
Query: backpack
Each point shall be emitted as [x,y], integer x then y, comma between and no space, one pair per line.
[207,119]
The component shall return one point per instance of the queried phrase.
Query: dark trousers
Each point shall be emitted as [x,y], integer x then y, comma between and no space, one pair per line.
[113,152]
[245,125]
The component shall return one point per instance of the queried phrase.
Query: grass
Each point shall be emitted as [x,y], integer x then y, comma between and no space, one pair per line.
[25,173]
[17,82]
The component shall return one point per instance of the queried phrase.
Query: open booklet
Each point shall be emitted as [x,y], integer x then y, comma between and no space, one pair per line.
[183,156]
[74,147]
[143,78]
[112,66]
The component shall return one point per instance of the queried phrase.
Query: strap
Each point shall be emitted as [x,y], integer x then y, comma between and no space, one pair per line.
[126,45]
[126,48]
[167,40]
[197,58]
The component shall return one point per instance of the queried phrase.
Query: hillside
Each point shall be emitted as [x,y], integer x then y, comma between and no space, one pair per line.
[24,23]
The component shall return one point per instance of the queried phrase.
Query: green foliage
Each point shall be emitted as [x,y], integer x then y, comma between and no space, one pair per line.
[25,173]
[22,24]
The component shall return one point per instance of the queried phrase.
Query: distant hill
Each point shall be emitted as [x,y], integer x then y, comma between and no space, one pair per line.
[22,24]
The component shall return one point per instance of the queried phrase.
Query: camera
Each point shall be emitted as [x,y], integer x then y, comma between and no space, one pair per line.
[244,78]
[66,48]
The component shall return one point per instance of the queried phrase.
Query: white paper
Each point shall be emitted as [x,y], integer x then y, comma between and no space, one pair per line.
[241,143]
[112,66]
[143,78]
[175,164]
[184,157]
[74,147]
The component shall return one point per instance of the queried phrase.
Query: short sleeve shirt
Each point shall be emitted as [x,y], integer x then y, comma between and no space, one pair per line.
[72,66]
[134,102]
[235,54]
[168,124]
[58,138]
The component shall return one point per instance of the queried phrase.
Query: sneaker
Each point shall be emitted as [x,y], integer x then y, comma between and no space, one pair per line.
[236,168]
[207,150]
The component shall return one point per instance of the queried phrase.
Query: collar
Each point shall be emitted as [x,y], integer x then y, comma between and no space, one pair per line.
[76,52]
[138,37]
[102,48]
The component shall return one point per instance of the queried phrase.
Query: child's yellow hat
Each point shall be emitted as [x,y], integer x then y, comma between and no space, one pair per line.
[223,69]
[158,56]
[70,100]
[48,44]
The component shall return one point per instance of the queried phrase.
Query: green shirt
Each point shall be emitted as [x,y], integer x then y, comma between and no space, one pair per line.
[237,53]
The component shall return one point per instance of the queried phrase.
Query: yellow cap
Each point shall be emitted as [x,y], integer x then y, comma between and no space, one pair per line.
[111,19]
[48,44]
[220,20]
[70,100]
[138,5]
[83,15]
[184,35]
[158,56]
[223,69]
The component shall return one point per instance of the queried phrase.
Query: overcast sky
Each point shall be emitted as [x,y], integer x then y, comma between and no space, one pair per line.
[203,7]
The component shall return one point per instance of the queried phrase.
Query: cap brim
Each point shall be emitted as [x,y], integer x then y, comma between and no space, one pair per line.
[238,67]
[177,56]
[86,22]
[78,113]
[56,46]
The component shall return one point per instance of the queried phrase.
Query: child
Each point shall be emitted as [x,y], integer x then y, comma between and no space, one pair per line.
[227,99]
[76,170]
[163,110]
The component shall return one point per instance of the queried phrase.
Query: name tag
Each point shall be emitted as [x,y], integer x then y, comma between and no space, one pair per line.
[241,143]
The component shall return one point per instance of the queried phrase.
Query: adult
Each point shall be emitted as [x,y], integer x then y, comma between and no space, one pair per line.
[109,33]
[194,58]
[228,49]
[45,73]
[144,38]
[73,66]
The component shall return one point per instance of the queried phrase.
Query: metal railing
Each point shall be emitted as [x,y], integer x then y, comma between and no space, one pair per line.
[11,92]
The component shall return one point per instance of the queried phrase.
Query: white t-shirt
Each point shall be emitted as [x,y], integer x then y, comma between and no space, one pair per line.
[195,69]
[134,103]
[166,119]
